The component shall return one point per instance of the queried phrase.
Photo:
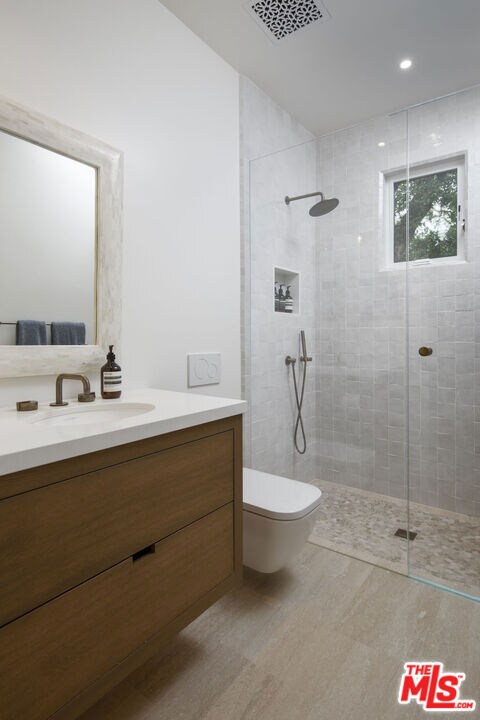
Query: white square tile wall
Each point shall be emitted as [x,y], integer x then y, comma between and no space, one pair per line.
[266,128]
[281,237]
[361,318]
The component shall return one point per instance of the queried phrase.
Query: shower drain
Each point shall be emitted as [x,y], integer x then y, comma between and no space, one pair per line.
[401,532]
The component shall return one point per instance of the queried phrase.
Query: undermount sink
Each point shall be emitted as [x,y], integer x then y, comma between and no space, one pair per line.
[96,414]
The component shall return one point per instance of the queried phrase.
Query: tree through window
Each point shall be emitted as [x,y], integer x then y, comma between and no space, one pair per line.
[430,215]
[432,218]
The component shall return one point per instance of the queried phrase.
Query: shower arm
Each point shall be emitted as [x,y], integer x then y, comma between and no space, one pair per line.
[288,199]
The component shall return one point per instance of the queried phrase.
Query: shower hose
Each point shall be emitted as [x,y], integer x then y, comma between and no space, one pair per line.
[299,421]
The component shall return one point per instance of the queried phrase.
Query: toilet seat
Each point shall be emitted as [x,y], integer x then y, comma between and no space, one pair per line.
[277,497]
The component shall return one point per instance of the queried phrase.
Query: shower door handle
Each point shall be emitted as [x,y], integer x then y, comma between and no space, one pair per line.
[425,351]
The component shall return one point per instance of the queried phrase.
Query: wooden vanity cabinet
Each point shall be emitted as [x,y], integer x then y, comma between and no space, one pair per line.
[104,557]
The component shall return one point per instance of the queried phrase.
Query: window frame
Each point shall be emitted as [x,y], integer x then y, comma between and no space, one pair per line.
[453,162]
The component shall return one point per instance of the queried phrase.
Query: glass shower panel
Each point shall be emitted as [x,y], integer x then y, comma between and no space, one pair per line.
[361,348]
[350,298]
[282,258]
[443,223]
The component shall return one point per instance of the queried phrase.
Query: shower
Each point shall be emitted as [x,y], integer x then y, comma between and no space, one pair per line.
[383,420]
[323,207]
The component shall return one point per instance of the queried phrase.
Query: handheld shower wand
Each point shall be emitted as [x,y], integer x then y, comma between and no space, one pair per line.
[299,396]
[305,358]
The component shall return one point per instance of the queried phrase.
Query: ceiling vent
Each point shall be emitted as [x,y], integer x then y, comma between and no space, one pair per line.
[280,19]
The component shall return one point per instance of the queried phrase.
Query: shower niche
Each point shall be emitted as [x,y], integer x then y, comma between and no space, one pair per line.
[286,291]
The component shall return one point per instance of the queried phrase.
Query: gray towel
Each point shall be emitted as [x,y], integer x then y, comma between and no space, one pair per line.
[68,333]
[31,332]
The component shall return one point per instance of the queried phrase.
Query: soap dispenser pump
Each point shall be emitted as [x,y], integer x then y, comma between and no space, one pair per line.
[111,377]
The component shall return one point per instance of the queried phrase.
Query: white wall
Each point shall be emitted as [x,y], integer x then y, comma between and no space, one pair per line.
[360,316]
[133,75]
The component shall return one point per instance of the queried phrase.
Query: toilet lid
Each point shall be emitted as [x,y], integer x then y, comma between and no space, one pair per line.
[278,497]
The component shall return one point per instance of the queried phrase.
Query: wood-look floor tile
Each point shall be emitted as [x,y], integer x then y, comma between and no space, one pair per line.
[454,639]
[249,697]
[324,639]
[364,683]
[185,681]
[303,659]
[390,611]
[122,703]
[225,622]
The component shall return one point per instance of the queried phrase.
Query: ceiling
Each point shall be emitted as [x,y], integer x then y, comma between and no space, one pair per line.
[345,70]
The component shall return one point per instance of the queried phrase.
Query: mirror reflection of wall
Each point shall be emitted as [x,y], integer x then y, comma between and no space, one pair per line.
[47,239]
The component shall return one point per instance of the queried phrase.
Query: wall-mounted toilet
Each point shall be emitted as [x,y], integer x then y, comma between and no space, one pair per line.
[278,516]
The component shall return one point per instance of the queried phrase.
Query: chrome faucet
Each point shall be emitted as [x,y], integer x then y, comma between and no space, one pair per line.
[86,396]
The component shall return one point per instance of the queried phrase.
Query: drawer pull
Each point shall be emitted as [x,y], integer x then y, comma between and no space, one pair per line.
[149,550]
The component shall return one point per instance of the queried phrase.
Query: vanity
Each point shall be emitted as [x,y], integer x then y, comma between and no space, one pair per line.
[119,524]
[120,520]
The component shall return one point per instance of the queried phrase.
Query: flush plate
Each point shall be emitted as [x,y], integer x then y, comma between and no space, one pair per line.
[204,369]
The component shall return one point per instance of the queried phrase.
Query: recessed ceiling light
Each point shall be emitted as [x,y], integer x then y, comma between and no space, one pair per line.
[406,64]
[381,143]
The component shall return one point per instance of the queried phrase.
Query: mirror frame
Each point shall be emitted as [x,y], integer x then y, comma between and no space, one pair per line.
[32,360]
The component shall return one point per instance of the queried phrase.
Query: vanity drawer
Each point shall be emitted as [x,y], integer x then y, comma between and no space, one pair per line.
[58,536]
[55,651]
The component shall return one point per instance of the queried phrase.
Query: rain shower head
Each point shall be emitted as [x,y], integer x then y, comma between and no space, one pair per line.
[321,208]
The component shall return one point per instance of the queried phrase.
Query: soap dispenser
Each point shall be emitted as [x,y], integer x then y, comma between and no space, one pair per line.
[288,301]
[111,377]
[277,297]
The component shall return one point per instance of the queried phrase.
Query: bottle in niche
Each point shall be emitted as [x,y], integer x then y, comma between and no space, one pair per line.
[277,297]
[111,377]
[281,299]
[288,301]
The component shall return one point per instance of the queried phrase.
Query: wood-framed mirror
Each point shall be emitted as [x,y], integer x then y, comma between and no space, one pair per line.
[60,246]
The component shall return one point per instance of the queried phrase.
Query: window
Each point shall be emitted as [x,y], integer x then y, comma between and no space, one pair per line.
[433,214]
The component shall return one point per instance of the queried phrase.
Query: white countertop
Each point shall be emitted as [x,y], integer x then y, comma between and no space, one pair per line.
[26,442]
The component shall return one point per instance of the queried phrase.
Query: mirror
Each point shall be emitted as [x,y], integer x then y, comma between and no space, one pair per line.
[47,246]
[60,246]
